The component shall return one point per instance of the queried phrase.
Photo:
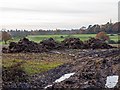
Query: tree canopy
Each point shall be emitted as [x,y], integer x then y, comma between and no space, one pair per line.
[6,36]
[102,36]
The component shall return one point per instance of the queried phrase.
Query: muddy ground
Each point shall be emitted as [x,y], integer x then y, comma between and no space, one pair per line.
[91,69]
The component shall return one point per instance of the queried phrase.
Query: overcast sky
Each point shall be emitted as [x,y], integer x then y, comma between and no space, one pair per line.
[52,14]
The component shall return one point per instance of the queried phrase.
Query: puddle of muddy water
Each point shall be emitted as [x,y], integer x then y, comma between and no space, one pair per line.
[111,81]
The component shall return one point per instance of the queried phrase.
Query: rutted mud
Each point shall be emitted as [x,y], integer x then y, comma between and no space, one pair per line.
[91,69]
[91,64]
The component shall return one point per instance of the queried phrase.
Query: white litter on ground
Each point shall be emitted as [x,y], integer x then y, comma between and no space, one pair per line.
[64,77]
[111,81]
[48,86]
[56,52]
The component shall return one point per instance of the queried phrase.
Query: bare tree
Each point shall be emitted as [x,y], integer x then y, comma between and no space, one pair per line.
[6,36]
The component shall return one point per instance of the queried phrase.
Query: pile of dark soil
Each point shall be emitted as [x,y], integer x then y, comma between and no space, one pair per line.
[72,43]
[96,44]
[92,43]
[14,76]
[50,44]
[24,45]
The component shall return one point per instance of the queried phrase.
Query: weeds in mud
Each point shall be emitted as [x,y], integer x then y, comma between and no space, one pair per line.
[33,67]
[14,73]
[34,63]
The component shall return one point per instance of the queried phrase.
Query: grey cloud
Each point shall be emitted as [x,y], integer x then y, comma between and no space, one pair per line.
[46,10]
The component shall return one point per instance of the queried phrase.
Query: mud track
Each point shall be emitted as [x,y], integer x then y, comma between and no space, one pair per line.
[91,69]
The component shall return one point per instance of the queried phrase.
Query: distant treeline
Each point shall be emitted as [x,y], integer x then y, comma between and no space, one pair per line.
[110,28]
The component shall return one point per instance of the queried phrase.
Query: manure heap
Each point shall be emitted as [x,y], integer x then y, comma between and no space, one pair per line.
[25,45]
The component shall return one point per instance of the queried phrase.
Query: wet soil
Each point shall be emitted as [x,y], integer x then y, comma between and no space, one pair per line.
[91,69]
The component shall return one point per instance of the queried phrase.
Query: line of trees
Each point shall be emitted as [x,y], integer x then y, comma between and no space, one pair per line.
[109,28]
[100,29]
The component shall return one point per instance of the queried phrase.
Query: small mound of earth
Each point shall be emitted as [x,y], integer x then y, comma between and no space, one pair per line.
[25,45]
[96,44]
[50,44]
[14,77]
[72,43]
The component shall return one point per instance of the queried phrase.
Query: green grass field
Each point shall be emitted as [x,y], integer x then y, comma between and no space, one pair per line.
[83,37]
[38,38]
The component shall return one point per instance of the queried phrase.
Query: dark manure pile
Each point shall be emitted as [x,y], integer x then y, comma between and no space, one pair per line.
[25,45]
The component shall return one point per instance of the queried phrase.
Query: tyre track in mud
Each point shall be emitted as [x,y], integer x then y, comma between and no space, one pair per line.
[79,64]
[93,73]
